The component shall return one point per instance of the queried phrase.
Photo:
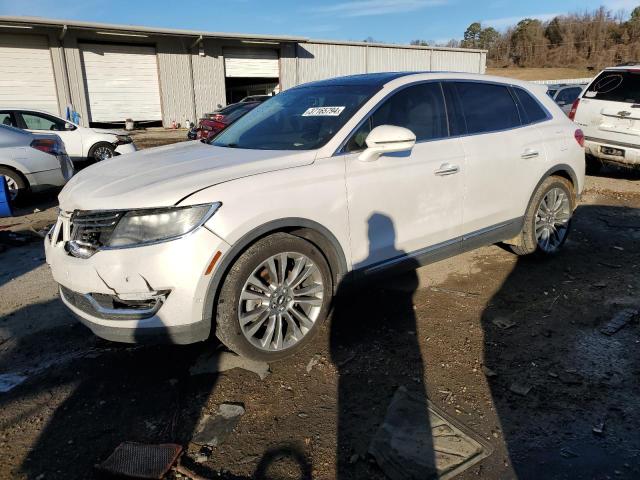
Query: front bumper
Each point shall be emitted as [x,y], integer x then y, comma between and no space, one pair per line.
[126,148]
[592,146]
[174,271]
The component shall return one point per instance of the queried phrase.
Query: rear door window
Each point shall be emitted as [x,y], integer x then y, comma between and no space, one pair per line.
[487,107]
[616,86]
[531,110]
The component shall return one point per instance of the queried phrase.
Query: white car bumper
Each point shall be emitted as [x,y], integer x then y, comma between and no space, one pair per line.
[126,148]
[170,281]
[630,152]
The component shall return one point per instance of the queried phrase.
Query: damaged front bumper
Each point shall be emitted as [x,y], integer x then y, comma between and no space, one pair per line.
[140,294]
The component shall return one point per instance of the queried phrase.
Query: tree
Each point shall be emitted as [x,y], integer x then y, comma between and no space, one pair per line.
[422,43]
[553,32]
[488,38]
[472,35]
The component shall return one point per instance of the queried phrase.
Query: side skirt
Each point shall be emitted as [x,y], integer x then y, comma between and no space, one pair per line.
[441,251]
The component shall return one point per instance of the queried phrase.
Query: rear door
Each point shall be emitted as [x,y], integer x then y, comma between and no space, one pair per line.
[609,109]
[503,154]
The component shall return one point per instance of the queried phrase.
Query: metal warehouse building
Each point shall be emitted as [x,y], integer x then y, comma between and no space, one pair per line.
[109,73]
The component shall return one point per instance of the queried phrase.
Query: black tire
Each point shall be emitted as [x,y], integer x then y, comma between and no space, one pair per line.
[228,328]
[526,243]
[99,150]
[14,178]
[593,165]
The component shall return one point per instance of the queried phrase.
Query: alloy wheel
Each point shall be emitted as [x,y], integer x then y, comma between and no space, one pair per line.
[552,220]
[13,187]
[102,153]
[281,301]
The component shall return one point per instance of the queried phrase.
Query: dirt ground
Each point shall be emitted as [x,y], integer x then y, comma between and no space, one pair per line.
[440,332]
[541,73]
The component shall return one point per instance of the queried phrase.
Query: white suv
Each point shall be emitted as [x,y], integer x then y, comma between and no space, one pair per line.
[609,113]
[327,183]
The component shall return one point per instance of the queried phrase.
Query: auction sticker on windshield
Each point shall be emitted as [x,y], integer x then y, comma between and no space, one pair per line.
[323,112]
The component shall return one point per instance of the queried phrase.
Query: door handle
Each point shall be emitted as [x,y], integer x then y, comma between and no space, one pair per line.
[447,169]
[529,153]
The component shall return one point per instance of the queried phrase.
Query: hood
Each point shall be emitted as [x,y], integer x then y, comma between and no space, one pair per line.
[110,132]
[163,176]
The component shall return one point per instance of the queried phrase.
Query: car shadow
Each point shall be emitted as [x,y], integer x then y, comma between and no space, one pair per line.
[374,346]
[562,390]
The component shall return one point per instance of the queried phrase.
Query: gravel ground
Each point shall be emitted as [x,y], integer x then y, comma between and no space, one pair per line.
[439,332]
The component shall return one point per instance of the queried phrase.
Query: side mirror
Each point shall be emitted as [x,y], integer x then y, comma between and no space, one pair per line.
[387,139]
[69,126]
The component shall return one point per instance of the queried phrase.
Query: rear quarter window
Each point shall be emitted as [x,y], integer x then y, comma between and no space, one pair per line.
[616,86]
[529,106]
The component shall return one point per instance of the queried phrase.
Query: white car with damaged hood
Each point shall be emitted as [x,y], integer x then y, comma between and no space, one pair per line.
[250,236]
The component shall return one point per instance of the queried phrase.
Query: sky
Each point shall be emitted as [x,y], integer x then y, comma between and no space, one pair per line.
[393,21]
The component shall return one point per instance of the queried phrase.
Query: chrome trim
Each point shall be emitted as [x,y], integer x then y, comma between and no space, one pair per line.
[482,231]
[611,142]
[128,312]
[393,261]
[339,151]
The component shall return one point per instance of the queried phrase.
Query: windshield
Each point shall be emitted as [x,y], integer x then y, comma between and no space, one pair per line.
[616,86]
[298,119]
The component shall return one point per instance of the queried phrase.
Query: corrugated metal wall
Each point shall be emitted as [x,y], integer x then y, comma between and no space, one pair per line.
[192,84]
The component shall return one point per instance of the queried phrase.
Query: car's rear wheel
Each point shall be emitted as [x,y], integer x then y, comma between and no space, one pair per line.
[274,298]
[102,151]
[16,184]
[548,218]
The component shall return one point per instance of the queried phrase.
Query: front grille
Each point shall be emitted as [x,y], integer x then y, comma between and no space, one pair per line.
[93,229]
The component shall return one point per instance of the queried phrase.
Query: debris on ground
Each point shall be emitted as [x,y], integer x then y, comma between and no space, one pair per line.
[418,440]
[520,388]
[503,322]
[457,293]
[566,452]
[139,460]
[8,381]
[212,430]
[571,377]
[346,360]
[488,372]
[619,320]
[598,428]
[221,361]
[315,360]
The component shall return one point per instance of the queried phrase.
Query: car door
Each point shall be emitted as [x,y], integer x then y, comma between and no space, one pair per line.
[502,156]
[410,203]
[43,123]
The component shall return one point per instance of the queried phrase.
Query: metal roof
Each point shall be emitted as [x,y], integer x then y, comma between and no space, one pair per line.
[26,21]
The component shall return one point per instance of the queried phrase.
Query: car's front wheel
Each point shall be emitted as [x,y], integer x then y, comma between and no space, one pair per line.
[274,298]
[102,151]
[548,218]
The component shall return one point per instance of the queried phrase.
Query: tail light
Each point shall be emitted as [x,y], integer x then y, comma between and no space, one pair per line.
[48,145]
[574,108]
[218,117]
[579,136]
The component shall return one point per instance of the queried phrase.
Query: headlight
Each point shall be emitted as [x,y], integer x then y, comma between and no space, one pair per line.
[122,139]
[139,227]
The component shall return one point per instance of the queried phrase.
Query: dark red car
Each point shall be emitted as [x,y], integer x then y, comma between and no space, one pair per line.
[216,122]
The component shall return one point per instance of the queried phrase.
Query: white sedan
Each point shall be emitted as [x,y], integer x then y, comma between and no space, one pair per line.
[31,162]
[82,144]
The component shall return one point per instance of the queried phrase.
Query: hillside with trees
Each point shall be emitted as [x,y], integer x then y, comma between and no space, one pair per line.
[590,40]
